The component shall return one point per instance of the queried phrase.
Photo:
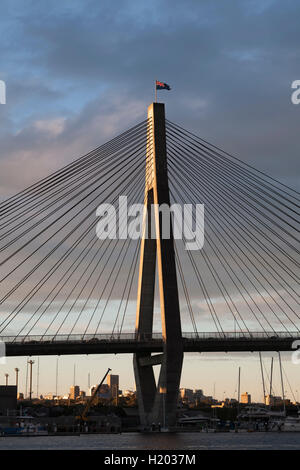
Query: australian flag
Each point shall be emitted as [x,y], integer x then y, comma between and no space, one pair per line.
[162,86]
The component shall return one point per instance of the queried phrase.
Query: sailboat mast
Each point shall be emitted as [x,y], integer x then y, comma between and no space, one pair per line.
[262,377]
[271,377]
[239,390]
[239,385]
[282,387]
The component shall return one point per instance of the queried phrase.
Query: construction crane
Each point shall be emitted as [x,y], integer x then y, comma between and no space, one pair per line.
[83,417]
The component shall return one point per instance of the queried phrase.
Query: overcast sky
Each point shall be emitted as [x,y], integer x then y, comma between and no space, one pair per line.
[79,72]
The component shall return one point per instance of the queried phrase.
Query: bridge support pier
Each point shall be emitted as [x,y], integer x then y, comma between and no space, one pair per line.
[158,402]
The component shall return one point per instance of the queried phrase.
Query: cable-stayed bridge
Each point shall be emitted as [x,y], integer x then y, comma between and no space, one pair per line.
[129,343]
[65,291]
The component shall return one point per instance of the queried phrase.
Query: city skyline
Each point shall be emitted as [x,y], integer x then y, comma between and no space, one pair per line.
[250,374]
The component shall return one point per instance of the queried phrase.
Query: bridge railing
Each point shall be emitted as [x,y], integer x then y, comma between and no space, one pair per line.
[130,337]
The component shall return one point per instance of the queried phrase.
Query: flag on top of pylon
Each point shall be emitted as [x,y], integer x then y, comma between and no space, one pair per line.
[162,86]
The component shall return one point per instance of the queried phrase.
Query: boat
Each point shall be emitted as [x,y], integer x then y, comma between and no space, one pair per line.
[291,424]
[258,418]
[33,429]
[24,426]
[259,412]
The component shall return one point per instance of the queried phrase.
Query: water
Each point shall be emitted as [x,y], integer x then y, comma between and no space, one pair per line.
[180,441]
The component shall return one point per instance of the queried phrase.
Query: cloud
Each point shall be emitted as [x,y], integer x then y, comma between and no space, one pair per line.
[230,67]
[78,74]
[54,127]
[46,145]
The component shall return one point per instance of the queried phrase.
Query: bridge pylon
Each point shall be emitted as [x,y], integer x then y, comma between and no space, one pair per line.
[158,401]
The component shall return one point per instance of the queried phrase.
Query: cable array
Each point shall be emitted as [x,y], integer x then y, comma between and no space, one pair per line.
[58,278]
[249,275]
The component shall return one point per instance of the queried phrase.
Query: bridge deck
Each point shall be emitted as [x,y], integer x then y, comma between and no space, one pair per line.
[130,343]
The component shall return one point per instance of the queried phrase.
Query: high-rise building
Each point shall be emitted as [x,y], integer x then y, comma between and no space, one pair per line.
[113,383]
[74,392]
[246,398]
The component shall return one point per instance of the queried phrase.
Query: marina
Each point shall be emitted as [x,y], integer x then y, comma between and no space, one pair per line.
[252,420]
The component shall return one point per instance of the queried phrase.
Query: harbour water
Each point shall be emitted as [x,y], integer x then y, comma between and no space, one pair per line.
[136,441]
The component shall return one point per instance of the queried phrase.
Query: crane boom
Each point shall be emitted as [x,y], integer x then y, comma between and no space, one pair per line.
[90,402]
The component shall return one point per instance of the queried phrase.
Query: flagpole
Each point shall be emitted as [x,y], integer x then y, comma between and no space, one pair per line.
[155,93]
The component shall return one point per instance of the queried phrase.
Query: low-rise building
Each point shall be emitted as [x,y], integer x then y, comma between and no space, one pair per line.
[272,400]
